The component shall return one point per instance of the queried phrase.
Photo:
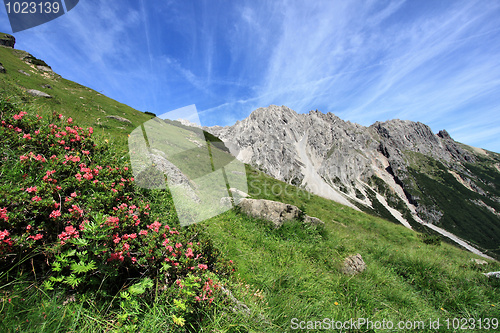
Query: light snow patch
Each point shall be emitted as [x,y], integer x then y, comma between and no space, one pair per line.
[458,240]
[245,155]
[460,180]
[313,181]
[393,211]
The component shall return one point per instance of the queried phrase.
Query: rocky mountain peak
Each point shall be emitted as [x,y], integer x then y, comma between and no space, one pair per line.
[272,113]
[443,134]
[328,117]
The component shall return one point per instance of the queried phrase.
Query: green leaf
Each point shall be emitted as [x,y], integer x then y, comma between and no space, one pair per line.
[91,265]
[178,320]
[180,304]
[81,267]
[164,267]
[57,279]
[69,253]
[136,289]
[56,267]
[72,280]
[140,287]
[78,241]
[147,283]
[122,317]
[48,285]
[125,295]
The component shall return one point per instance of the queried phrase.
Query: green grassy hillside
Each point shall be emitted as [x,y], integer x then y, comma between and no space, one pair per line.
[297,268]
[86,106]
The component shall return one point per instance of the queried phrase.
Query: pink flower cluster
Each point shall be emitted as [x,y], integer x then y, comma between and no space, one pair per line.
[20,115]
[36,237]
[76,210]
[116,256]
[48,174]
[4,238]
[88,173]
[72,158]
[3,214]
[55,214]
[70,232]
[31,155]
[189,253]
[31,189]
[131,236]
[207,291]
[155,226]
[113,221]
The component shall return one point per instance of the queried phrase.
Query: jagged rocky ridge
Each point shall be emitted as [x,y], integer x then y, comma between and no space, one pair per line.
[398,169]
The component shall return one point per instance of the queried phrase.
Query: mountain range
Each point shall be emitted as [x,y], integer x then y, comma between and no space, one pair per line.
[397,169]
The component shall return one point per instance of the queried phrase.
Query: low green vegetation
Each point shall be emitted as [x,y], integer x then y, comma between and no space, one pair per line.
[437,188]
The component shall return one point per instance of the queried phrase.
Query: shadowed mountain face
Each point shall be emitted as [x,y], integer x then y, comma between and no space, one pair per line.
[397,169]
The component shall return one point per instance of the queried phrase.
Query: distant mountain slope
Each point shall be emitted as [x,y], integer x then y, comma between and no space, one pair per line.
[397,169]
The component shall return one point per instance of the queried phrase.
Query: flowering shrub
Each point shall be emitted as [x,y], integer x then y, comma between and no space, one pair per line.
[73,206]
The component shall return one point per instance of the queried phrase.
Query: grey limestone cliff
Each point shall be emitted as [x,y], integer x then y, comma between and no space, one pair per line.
[399,169]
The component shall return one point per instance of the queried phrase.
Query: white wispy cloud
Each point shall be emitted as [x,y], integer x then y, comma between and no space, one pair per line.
[373,61]
[363,60]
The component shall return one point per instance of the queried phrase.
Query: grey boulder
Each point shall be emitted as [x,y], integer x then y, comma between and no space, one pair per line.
[353,265]
[276,212]
[125,120]
[38,93]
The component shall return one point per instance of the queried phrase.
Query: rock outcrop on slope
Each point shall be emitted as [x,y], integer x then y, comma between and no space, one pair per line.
[399,169]
[7,40]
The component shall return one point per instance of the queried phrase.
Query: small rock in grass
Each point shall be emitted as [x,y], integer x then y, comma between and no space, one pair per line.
[313,220]
[493,274]
[479,261]
[226,202]
[125,120]
[353,265]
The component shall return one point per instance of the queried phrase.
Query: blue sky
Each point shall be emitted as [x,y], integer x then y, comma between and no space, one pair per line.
[437,62]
